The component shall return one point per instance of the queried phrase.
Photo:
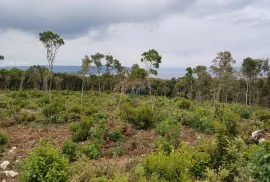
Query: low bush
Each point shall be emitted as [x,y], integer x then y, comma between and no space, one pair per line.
[184,104]
[54,112]
[92,150]
[116,135]
[141,117]
[263,115]
[70,150]
[90,110]
[260,162]
[171,130]
[117,151]
[45,163]
[3,105]
[80,131]
[26,117]
[179,165]
[88,128]
[4,140]
[76,109]
[71,117]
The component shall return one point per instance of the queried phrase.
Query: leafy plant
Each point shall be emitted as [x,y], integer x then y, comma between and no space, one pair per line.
[70,150]
[54,112]
[80,131]
[141,117]
[260,162]
[184,104]
[116,135]
[92,150]
[45,163]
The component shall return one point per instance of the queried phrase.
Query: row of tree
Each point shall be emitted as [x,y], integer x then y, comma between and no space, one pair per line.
[220,82]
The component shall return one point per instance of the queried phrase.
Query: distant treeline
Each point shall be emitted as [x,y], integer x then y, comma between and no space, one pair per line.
[221,82]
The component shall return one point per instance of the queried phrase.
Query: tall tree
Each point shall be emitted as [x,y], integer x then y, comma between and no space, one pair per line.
[86,67]
[118,66]
[203,80]
[109,63]
[249,70]
[222,68]
[97,61]
[52,43]
[190,79]
[151,59]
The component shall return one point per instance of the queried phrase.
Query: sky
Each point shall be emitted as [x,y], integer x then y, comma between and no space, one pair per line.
[185,32]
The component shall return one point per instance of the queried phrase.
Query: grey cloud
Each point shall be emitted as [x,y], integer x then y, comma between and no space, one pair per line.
[73,18]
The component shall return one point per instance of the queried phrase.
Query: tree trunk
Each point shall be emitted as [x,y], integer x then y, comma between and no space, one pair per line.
[247,94]
[50,87]
[82,96]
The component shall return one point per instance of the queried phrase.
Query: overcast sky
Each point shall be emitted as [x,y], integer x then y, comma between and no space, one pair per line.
[185,32]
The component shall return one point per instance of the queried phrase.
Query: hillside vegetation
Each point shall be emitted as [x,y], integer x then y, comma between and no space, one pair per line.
[113,137]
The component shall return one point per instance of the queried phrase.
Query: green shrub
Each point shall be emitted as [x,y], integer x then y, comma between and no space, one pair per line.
[116,135]
[260,162]
[26,117]
[45,163]
[44,101]
[263,115]
[117,151]
[3,104]
[88,128]
[54,112]
[142,117]
[184,104]
[70,150]
[31,105]
[90,110]
[177,165]
[92,150]
[71,117]
[165,145]
[171,130]
[230,121]
[199,122]
[4,140]
[76,109]
[80,131]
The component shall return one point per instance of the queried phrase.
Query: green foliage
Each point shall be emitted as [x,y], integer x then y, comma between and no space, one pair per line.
[230,121]
[54,112]
[243,111]
[80,131]
[260,162]
[88,128]
[4,140]
[112,152]
[179,165]
[76,109]
[92,150]
[4,105]
[26,117]
[263,115]
[184,104]
[116,135]
[45,163]
[141,117]
[90,110]
[70,150]
[170,129]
